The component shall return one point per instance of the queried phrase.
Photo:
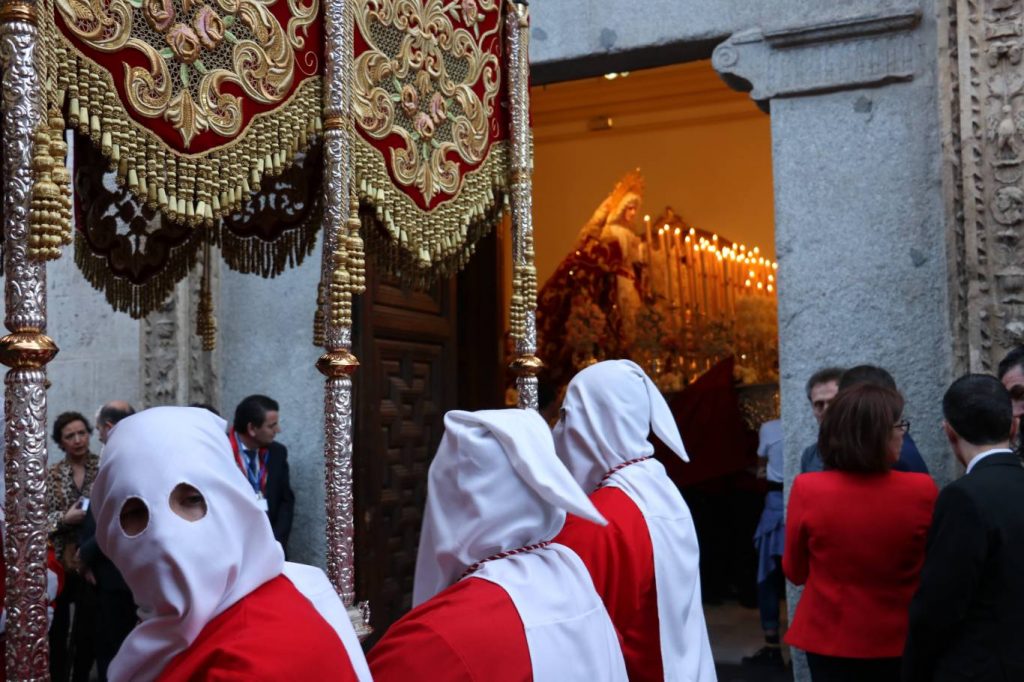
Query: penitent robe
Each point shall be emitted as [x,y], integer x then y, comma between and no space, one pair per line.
[274,633]
[620,559]
[469,632]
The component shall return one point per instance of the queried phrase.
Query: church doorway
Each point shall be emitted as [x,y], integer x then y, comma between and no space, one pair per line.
[654,235]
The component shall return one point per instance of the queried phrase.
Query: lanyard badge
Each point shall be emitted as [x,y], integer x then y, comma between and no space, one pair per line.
[257,476]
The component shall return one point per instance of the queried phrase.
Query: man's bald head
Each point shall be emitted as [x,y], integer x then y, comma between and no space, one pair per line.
[110,414]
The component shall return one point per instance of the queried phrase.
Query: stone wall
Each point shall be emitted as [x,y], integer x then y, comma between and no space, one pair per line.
[99,356]
[860,216]
[860,219]
[577,38]
[265,337]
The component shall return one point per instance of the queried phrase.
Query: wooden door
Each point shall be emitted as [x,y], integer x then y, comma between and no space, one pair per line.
[412,371]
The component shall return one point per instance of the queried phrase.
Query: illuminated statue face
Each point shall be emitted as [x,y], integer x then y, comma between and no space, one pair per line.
[630,213]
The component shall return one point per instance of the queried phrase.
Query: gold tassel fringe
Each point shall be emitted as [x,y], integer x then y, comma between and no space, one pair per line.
[206,323]
[268,259]
[192,189]
[138,300]
[419,246]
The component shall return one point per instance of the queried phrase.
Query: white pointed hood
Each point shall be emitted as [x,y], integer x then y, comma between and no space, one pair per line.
[494,485]
[609,411]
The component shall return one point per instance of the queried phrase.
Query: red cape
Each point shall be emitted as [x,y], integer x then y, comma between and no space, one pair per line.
[470,632]
[620,559]
[274,633]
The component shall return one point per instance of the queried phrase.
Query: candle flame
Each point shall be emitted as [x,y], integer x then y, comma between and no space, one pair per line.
[770,287]
[747,283]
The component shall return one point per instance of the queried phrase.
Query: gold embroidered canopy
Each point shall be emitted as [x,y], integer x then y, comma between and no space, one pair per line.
[188,114]
[430,109]
[192,102]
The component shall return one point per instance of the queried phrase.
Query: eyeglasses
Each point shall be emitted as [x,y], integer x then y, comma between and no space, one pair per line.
[903,425]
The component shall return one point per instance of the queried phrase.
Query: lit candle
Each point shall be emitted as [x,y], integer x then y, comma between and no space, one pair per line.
[648,255]
[694,291]
[680,274]
[723,290]
[668,266]
[704,280]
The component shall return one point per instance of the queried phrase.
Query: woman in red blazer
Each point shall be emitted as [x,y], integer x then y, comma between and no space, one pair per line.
[855,538]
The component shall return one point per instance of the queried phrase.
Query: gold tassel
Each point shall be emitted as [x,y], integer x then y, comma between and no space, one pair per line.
[206,324]
[61,175]
[319,330]
[356,250]
[45,233]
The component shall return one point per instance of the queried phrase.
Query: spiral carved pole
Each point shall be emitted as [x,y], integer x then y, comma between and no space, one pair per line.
[337,364]
[26,350]
[524,281]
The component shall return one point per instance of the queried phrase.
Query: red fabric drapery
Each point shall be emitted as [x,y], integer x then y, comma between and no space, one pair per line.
[714,432]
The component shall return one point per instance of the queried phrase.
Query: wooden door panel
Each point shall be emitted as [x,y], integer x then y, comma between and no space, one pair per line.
[407,346]
[419,359]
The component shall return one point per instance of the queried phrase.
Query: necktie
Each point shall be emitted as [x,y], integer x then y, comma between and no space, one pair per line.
[253,471]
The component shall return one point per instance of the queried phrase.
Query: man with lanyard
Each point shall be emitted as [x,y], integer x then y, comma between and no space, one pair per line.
[263,461]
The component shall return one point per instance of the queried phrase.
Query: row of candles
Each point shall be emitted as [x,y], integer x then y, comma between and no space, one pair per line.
[702,274]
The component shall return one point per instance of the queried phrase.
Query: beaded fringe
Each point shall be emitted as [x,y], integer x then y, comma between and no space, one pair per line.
[194,190]
[417,246]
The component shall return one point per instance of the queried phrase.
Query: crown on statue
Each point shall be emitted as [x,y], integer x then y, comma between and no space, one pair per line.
[629,188]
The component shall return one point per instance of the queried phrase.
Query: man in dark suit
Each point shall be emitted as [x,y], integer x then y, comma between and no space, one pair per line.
[968,613]
[263,461]
[115,607]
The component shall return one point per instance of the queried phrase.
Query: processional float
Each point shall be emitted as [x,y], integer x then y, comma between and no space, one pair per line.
[243,127]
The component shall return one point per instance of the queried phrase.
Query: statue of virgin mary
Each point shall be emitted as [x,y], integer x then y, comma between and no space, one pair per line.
[602,271]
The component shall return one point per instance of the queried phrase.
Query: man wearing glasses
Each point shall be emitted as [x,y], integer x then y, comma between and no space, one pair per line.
[821,389]
[910,458]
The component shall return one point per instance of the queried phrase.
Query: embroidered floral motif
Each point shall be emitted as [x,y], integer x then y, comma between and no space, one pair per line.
[194,52]
[427,86]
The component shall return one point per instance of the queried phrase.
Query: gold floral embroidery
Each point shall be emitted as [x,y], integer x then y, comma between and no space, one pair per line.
[427,80]
[193,50]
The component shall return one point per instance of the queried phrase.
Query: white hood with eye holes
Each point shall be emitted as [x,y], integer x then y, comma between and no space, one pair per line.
[183,573]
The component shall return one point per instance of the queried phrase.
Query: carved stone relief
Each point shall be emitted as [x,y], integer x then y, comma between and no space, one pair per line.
[175,368]
[981,47]
[839,54]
